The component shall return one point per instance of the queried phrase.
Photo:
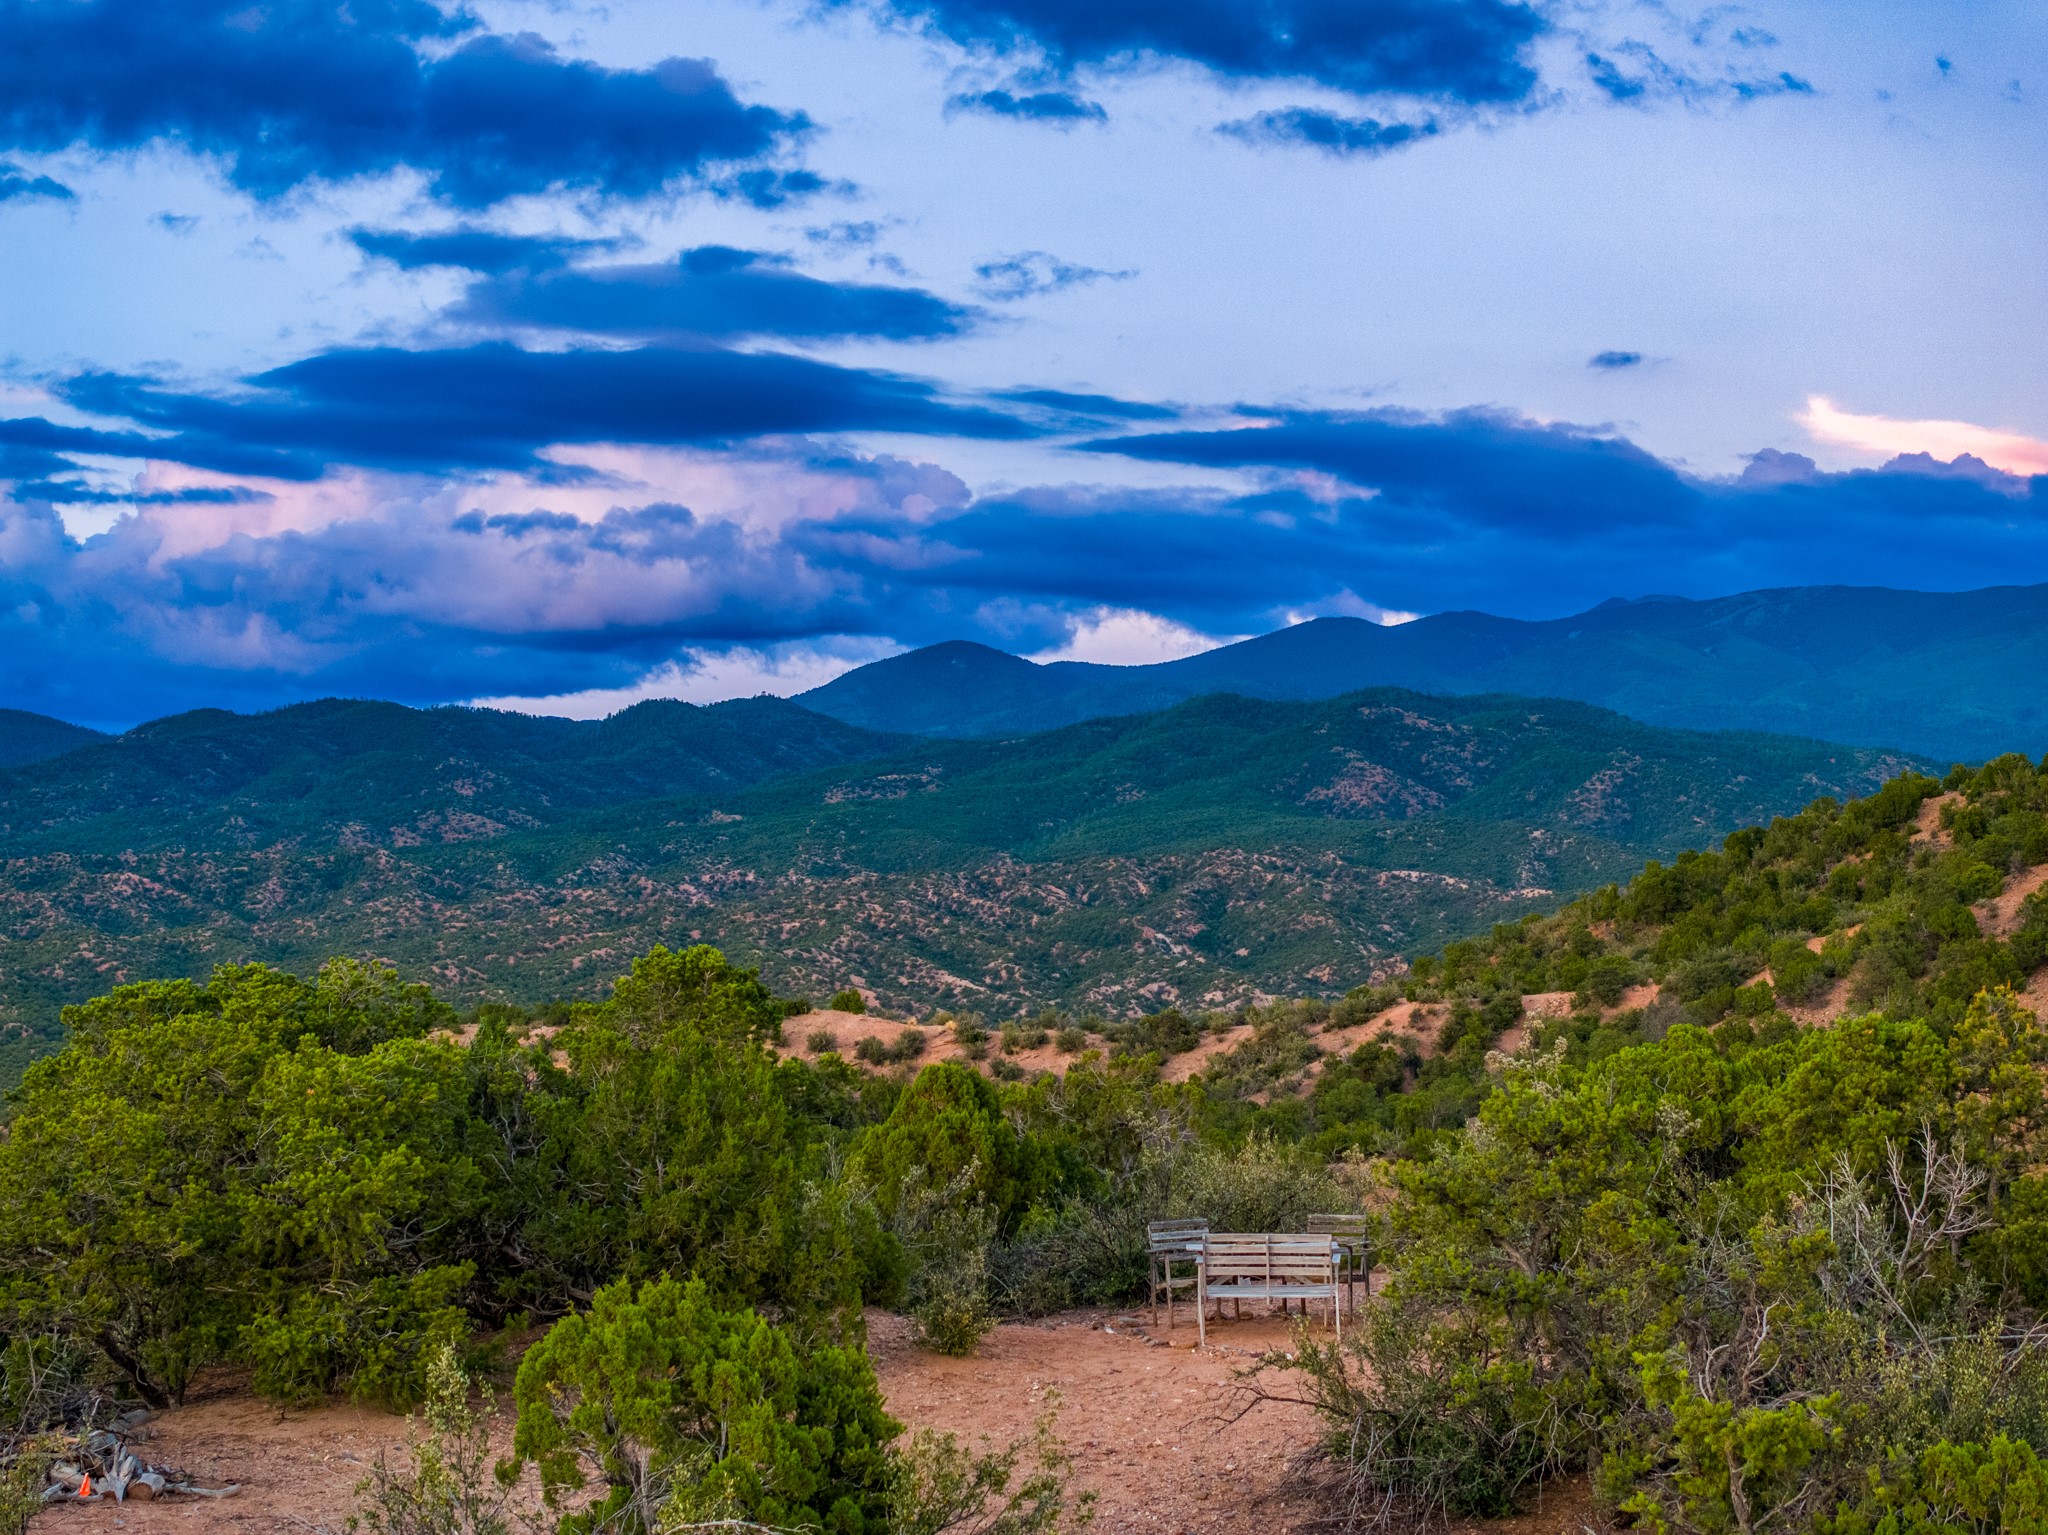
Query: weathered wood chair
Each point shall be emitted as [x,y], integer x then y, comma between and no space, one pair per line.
[1354,1244]
[1240,1266]
[1173,1251]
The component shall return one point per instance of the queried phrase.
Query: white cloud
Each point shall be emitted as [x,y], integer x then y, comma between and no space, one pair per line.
[1348,604]
[703,676]
[1130,637]
[2010,451]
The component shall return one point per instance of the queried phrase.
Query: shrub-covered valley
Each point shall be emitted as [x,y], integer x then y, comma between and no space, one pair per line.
[1222,851]
[1713,1200]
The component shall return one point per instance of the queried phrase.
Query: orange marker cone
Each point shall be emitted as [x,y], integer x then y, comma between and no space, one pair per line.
[85,1486]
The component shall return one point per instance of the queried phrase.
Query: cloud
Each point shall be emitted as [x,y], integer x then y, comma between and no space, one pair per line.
[702,675]
[1611,361]
[1029,274]
[291,92]
[1328,131]
[16,183]
[493,406]
[1455,50]
[1057,109]
[472,249]
[711,291]
[1635,73]
[2010,451]
[589,575]
[1128,637]
[1085,411]
[413,591]
[1496,467]
[845,234]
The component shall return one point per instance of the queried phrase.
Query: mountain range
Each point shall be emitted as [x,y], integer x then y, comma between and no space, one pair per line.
[26,738]
[1952,676]
[1219,850]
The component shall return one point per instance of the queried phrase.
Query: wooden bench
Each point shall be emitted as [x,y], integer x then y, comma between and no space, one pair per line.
[1240,1266]
[1173,1252]
[1353,1234]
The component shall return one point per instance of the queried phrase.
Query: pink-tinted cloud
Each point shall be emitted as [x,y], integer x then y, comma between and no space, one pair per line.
[2010,451]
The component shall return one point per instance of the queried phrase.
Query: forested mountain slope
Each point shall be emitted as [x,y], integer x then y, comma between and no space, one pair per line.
[1220,850]
[1951,675]
[26,738]
[384,775]
[1909,902]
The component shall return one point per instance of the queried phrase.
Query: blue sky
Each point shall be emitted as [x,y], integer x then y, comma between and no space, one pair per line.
[568,354]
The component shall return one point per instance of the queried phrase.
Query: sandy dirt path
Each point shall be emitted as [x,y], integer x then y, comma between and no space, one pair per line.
[1154,1426]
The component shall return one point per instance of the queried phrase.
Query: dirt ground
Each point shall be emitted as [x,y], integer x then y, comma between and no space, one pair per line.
[1159,1430]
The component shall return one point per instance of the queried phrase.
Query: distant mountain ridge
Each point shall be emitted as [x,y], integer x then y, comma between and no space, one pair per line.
[1953,676]
[386,774]
[26,737]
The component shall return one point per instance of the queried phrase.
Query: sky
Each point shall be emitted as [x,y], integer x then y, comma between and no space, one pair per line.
[559,355]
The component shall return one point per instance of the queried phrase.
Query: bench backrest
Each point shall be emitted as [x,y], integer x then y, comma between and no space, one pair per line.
[1278,1255]
[1353,1232]
[1179,1236]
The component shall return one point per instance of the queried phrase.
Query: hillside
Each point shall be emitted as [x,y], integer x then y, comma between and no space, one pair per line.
[1224,849]
[1949,675]
[26,738]
[380,774]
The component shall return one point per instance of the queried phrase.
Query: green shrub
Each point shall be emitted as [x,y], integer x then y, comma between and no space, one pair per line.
[970,1036]
[1165,1033]
[446,1488]
[941,1486]
[377,1340]
[1430,1419]
[909,1045]
[1071,1040]
[2000,1488]
[947,1293]
[848,1001]
[818,1041]
[1261,1186]
[198,1159]
[686,1413]
[949,1124]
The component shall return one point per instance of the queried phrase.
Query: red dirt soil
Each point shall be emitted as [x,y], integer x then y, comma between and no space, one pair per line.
[1161,1431]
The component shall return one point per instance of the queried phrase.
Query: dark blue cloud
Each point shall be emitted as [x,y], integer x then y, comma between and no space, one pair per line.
[712,291]
[1328,131]
[1611,360]
[1647,76]
[1028,274]
[1058,109]
[1541,527]
[294,91]
[1484,466]
[775,189]
[16,183]
[1473,509]
[495,406]
[34,439]
[472,249]
[846,234]
[1471,51]
[1089,408]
